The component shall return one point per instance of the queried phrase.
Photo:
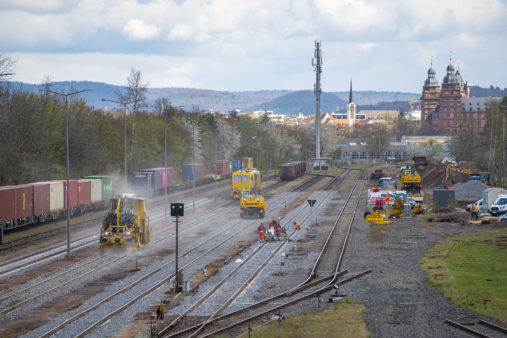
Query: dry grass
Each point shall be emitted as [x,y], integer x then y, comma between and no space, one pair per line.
[345,319]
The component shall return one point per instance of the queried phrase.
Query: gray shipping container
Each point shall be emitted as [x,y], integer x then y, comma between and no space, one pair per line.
[443,197]
[157,178]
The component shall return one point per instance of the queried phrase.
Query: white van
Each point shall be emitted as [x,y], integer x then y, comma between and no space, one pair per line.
[500,206]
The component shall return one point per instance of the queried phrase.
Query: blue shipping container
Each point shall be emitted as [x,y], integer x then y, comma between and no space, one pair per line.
[237,165]
[157,178]
[192,170]
[142,181]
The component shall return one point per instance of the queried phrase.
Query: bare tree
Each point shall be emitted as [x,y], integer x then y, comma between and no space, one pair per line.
[6,66]
[136,91]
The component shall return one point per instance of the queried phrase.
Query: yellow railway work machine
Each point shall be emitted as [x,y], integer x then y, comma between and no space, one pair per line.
[126,224]
[246,181]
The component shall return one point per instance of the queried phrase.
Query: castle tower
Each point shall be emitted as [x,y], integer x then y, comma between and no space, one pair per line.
[351,109]
[450,101]
[430,97]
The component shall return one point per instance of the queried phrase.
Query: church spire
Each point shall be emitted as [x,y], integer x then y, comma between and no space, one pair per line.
[350,94]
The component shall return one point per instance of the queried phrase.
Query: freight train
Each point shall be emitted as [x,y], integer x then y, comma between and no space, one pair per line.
[292,170]
[36,203]
[33,203]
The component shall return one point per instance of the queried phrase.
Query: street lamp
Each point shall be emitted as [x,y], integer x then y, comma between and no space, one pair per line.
[165,155]
[124,104]
[66,95]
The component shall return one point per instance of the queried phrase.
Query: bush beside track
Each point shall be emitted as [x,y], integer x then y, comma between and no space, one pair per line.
[470,269]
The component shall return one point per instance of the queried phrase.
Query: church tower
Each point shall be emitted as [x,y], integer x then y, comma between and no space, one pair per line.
[351,109]
[430,97]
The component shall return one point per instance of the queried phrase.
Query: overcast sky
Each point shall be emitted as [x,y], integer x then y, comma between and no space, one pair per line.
[256,44]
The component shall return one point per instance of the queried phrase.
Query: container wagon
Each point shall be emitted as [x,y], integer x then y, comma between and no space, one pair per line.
[16,205]
[292,170]
[237,165]
[247,162]
[142,181]
[193,171]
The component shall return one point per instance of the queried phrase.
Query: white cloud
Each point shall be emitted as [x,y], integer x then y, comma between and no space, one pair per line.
[136,29]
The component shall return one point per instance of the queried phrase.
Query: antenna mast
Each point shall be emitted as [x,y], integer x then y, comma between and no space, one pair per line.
[317,67]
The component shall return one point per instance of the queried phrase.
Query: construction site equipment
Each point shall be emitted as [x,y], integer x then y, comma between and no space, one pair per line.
[252,206]
[246,181]
[126,224]
[411,181]
[377,216]
[449,169]
[376,174]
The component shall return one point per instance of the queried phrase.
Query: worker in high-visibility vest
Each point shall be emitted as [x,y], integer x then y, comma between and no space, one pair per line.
[261,231]
[297,225]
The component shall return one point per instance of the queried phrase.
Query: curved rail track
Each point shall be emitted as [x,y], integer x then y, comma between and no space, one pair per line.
[214,317]
[205,218]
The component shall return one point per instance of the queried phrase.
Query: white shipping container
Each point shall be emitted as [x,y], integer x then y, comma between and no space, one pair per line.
[95,190]
[56,202]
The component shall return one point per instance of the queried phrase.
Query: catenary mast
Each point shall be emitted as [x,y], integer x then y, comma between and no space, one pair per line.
[317,65]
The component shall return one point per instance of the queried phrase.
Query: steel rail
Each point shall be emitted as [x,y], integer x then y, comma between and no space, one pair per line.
[333,277]
[309,295]
[255,273]
[67,321]
[17,305]
[493,326]
[467,329]
[324,247]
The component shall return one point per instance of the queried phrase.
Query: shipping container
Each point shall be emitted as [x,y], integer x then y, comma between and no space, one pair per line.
[95,190]
[156,181]
[247,162]
[237,165]
[16,201]
[220,167]
[142,181]
[164,175]
[83,194]
[73,193]
[41,200]
[192,171]
[106,186]
[56,197]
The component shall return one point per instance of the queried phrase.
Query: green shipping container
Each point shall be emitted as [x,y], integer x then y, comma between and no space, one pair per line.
[107,185]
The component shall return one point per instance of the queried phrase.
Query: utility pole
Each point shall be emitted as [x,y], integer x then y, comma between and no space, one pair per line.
[66,108]
[317,67]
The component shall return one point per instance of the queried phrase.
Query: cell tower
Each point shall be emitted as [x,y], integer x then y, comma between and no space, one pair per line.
[317,67]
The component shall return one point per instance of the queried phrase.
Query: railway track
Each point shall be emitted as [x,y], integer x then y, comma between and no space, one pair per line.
[154,287]
[484,328]
[194,330]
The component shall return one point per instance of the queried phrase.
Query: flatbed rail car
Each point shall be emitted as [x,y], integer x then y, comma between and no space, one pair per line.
[246,181]
[292,170]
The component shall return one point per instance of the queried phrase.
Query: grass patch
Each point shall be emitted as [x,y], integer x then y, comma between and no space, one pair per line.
[471,271]
[344,319]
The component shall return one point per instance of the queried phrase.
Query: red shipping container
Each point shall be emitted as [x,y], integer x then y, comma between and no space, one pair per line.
[16,201]
[41,199]
[84,192]
[214,169]
[73,193]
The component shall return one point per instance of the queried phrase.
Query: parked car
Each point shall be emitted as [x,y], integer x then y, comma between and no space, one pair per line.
[502,218]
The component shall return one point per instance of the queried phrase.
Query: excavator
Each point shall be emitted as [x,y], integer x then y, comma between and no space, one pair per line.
[126,223]
[450,168]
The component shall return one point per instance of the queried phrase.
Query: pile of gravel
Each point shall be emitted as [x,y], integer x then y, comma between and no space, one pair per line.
[469,191]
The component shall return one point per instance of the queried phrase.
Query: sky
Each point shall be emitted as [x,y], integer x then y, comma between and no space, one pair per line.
[238,45]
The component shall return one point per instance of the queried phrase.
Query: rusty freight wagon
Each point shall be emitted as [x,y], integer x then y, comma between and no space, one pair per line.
[292,170]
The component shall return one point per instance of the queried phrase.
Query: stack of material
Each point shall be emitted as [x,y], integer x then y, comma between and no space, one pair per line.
[469,191]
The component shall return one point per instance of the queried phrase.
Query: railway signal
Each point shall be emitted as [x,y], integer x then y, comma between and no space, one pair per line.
[177,210]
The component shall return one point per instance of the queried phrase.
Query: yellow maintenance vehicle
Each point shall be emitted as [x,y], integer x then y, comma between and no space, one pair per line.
[411,180]
[246,181]
[126,223]
[252,206]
